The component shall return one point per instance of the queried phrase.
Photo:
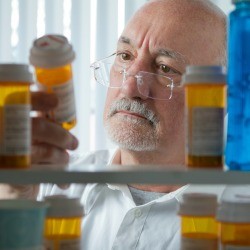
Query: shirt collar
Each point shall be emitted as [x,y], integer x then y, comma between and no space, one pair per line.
[115,159]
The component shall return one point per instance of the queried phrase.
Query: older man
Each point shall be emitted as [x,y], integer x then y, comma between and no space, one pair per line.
[146,123]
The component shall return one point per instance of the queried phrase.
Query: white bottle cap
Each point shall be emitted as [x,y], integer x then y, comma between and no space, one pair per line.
[204,74]
[15,73]
[51,51]
[198,204]
[237,211]
[63,206]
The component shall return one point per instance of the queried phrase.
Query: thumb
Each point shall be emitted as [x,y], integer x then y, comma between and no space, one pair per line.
[42,101]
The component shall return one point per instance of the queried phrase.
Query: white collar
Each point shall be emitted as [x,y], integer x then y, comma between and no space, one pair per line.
[115,159]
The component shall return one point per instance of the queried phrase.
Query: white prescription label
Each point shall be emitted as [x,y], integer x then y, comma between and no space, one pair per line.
[65,111]
[230,247]
[206,131]
[71,244]
[198,244]
[16,128]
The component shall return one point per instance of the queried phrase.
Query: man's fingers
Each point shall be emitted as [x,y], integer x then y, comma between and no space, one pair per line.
[46,154]
[42,101]
[50,140]
[51,133]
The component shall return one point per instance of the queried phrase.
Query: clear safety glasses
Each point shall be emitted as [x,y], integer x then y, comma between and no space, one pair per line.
[150,85]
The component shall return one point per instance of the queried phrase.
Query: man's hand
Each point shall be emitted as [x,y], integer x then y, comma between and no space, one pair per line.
[49,140]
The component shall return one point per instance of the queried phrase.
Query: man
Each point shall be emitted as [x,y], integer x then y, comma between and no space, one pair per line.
[163,37]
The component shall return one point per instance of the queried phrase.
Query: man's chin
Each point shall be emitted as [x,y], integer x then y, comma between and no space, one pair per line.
[131,136]
[132,142]
[133,147]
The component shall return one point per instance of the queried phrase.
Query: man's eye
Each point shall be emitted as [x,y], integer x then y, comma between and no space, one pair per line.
[124,56]
[165,69]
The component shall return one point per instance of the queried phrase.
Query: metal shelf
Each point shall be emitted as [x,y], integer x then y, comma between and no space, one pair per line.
[124,174]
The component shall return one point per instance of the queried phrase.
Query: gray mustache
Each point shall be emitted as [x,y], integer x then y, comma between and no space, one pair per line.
[133,106]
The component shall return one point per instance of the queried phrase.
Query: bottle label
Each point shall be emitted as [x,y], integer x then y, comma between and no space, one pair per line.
[230,247]
[65,111]
[16,130]
[197,244]
[62,244]
[206,131]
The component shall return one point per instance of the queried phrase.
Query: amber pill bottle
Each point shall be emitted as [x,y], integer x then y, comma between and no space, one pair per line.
[52,57]
[234,218]
[205,104]
[199,228]
[15,123]
[63,223]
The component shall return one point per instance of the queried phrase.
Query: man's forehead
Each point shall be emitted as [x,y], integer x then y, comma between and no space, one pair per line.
[163,51]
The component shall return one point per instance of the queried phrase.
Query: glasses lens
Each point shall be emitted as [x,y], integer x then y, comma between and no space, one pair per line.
[102,71]
[155,86]
[151,85]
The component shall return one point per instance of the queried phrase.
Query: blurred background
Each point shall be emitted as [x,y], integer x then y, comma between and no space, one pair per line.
[92,26]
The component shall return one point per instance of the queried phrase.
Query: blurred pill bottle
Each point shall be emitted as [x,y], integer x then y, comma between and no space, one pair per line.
[205,102]
[199,228]
[234,218]
[63,223]
[15,123]
[52,56]
[238,135]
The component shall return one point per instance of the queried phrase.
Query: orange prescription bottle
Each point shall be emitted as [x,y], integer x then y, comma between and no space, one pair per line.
[15,123]
[63,223]
[52,56]
[234,218]
[205,102]
[199,229]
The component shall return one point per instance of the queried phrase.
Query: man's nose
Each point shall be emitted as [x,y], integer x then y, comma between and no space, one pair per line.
[130,88]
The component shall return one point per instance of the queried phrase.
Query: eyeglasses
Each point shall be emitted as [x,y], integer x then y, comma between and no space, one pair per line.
[151,85]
